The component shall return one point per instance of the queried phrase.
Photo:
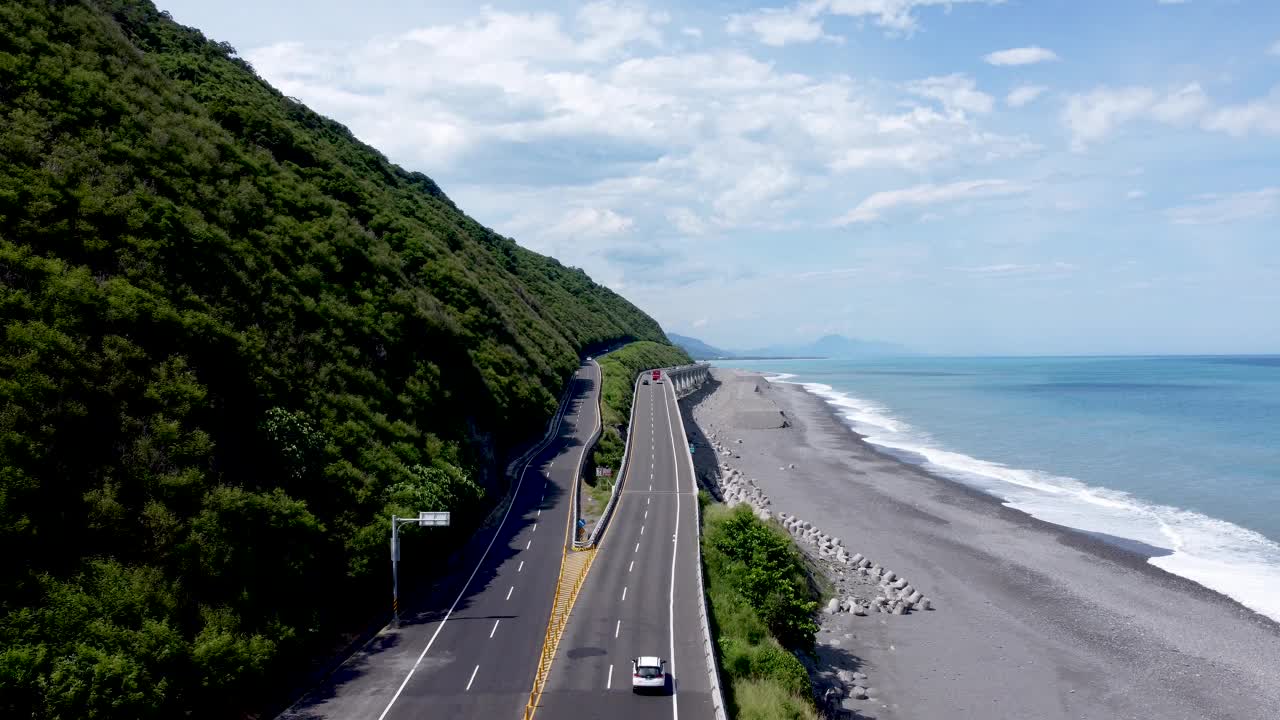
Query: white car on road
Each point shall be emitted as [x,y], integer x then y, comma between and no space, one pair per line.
[648,673]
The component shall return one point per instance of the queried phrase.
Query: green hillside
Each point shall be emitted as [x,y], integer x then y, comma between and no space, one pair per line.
[235,341]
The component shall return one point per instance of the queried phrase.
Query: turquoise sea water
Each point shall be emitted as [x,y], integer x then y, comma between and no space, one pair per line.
[1179,453]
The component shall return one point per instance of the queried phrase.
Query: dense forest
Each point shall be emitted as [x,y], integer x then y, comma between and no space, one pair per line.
[236,340]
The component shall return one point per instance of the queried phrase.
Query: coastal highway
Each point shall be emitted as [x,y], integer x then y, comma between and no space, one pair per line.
[641,596]
[472,651]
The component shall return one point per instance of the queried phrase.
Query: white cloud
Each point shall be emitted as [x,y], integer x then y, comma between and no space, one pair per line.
[1274,49]
[1218,209]
[590,223]
[1020,56]
[912,156]
[1014,269]
[1136,194]
[1181,106]
[782,26]
[608,27]
[687,221]
[895,15]
[877,204]
[1092,116]
[803,21]
[1024,95]
[1261,116]
[956,92]
[692,32]
[582,134]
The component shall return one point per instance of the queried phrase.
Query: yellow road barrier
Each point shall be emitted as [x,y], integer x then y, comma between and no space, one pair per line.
[573,572]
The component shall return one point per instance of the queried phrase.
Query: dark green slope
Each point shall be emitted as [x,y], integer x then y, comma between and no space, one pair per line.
[235,340]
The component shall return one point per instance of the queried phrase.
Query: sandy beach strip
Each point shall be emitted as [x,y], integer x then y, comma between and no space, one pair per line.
[1030,620]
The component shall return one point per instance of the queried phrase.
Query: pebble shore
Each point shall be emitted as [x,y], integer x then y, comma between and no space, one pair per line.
[945,604]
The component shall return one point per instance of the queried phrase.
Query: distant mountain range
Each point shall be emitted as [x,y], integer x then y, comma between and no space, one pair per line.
[826,346]
[697,349]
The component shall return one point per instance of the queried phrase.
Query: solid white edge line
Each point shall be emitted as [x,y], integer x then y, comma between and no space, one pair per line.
[479,564]
[671,607]
[473,677]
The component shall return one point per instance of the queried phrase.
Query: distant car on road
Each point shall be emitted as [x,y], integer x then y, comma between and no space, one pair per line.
[648,674]
[646,381]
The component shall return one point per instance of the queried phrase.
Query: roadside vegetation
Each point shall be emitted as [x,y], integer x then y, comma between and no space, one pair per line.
[235,341]
[618,371]
[762,607]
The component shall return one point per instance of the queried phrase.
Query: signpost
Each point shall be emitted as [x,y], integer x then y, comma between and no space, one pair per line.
[424,519]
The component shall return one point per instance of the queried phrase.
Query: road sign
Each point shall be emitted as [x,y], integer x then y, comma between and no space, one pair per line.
[604,472]
[433,519]
[582,523]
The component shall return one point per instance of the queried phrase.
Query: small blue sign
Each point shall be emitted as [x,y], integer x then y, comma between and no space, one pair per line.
[582,523]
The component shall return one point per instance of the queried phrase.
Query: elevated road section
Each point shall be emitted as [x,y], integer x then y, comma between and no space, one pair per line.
[643,593]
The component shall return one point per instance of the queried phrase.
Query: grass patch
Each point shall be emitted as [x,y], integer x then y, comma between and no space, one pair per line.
[764,700]
[762,609]
[594,499]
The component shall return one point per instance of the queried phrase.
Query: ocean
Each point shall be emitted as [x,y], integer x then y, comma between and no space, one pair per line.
[1177,457]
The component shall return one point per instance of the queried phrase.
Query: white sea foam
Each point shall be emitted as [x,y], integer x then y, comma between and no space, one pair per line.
[1220,555]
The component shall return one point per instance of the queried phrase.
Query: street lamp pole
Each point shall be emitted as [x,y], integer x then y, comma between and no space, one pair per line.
[424,519]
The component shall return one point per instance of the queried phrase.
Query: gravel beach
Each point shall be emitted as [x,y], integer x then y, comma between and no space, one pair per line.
[1030,620]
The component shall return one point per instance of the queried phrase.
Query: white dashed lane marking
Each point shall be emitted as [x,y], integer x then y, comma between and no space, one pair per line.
[473,677]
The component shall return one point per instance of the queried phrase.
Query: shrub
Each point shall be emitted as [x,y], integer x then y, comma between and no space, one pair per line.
[762,612]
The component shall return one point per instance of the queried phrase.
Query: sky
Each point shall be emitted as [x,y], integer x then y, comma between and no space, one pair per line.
[963,177]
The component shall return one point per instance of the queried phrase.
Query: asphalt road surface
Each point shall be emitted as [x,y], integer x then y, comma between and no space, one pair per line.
[641,596]
[472,649]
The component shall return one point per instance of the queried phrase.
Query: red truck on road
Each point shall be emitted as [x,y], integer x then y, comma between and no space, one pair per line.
[657,376]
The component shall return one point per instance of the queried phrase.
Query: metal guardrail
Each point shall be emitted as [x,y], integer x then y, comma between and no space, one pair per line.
[380,625]
[582,459]
[616,492]
[552,425]
[556,625]
[573,571]
[603,521]
[708,646]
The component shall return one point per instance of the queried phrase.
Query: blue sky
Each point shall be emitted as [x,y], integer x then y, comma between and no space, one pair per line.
[959,177]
